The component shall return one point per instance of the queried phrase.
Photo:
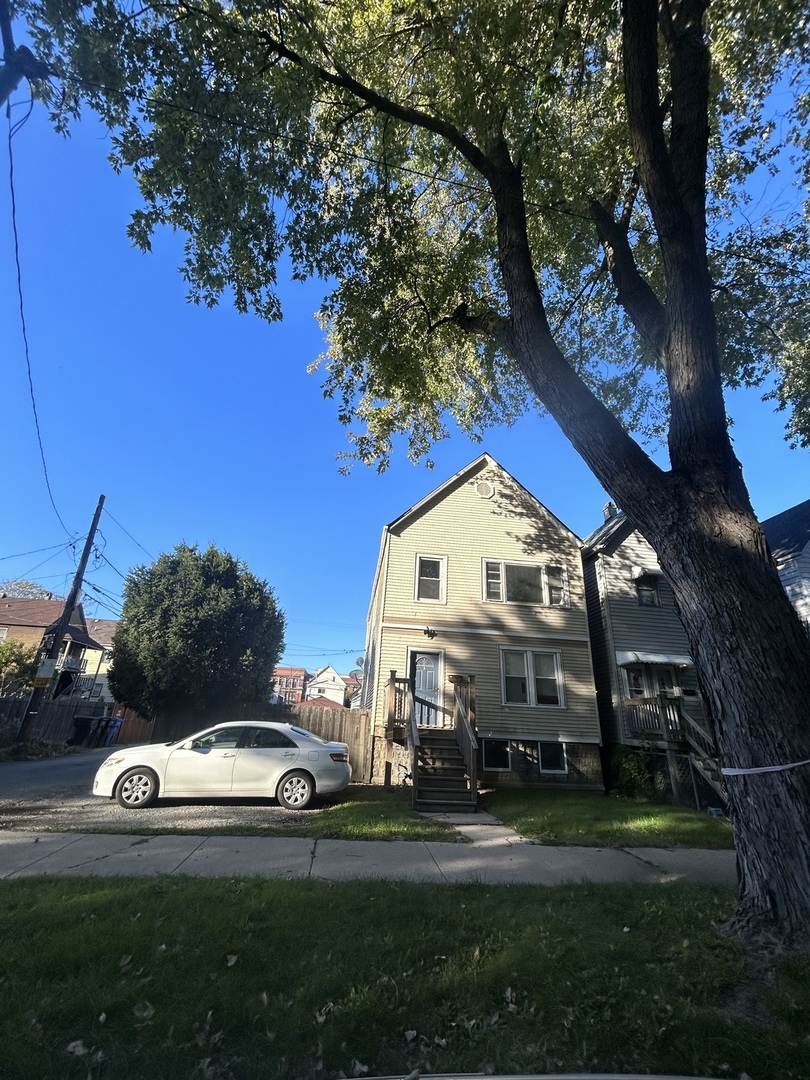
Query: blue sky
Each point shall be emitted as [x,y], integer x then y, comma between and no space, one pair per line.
[203,425]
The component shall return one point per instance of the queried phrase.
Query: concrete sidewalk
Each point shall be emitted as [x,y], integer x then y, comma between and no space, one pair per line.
[495,855]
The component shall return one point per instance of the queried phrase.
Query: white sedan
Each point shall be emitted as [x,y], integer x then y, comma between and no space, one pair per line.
[230,760]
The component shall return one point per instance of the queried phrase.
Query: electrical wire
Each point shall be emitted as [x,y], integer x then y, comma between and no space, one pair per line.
[129,534]
[12,131]
[36,551]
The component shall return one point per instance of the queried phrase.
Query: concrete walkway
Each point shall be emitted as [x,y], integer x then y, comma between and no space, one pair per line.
[495,855]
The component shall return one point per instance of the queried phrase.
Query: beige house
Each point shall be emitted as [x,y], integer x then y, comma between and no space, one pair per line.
[478,636]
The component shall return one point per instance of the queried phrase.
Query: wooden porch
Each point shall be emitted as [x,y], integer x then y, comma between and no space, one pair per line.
[442,750]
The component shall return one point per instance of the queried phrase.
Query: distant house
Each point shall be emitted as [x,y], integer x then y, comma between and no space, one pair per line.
[290,684]
[326,683]
[98,663]
[33,622]
[788,536]
[478,639]
[646,684]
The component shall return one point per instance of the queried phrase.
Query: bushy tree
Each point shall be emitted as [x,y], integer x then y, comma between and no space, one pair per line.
[198,631]
[520,202]
[18,666]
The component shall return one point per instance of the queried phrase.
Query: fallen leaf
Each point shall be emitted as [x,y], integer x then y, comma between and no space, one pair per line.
[410,1036]
[232,960]
[102,1018]
[161,948]
[439,1041]
[358,1069]
[144,1011]
[124,962]
[76,1047]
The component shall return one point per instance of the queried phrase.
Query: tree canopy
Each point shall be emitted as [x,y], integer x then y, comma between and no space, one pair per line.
[198,631]
[363,138]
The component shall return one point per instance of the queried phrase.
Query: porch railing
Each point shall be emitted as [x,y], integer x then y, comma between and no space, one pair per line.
[400,713]
[464,725]
[659,717]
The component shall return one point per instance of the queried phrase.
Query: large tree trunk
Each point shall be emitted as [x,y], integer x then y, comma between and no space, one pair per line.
[753,661]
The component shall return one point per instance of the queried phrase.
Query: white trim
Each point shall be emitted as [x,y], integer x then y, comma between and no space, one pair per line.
[499,632]
[413,650]
[442,561]
[542,568]
[531,691]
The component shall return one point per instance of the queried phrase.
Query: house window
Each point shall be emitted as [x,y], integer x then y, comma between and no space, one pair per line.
[497,756]
[647,591]
[431,576]
[529,677]
[3,632]
[524,583]
[552,757]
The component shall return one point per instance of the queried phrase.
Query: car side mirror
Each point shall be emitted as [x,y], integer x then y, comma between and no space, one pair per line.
[189,744]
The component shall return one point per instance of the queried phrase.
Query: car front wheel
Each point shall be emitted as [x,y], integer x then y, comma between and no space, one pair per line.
[295,791]
[136,789]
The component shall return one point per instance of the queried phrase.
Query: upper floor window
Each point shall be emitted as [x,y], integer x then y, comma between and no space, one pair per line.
[525,583]
[431,577]
[647,591]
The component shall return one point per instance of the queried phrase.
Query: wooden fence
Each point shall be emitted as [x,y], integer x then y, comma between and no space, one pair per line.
[55,723]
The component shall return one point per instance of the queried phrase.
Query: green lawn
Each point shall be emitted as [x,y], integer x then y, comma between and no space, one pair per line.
[161,979]
[597,820]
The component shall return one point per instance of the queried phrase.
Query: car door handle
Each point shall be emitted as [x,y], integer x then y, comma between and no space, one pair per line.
[229,755]
[289,753]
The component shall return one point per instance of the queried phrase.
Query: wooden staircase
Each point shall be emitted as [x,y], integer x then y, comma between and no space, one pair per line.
[443,785]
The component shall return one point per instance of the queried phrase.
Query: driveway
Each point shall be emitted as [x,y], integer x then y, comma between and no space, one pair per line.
[54,794]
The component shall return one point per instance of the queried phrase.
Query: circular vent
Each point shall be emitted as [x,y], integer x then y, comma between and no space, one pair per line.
[484,489]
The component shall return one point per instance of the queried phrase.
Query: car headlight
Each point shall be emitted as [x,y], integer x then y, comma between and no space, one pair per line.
[113,761]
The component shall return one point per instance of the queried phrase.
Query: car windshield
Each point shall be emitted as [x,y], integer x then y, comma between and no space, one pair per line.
[308,735]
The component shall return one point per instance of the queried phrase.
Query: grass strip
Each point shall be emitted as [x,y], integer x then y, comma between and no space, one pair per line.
[243,979]
[596,820]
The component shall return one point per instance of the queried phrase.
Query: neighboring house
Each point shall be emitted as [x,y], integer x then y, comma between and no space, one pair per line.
[94,683]
[478,636]
[788,536]
[32,621]
[326,683]
[325,702]
[645,678]
[290,684]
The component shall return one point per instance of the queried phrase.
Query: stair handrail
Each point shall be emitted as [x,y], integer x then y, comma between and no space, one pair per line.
[463,699]
[412,742]
[698,736]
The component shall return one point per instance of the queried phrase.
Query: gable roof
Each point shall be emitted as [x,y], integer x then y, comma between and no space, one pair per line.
[458,478]
[788,533]
[103,630]
[16,611]
[438,493]
[610,534]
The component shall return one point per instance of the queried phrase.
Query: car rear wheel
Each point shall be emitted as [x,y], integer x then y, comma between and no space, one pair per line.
[295,791]
[136,789]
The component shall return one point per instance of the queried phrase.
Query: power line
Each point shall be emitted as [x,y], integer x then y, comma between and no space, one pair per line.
[129,534]
[12,131]
[36,551]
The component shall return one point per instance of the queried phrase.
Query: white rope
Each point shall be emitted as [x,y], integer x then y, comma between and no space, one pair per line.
[764,768]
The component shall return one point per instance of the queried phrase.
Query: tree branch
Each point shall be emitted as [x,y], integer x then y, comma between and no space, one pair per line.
[645,310]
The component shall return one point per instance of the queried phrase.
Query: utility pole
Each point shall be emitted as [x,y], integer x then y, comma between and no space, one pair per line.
[38,693]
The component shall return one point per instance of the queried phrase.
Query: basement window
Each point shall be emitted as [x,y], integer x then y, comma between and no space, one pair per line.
[497,755]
